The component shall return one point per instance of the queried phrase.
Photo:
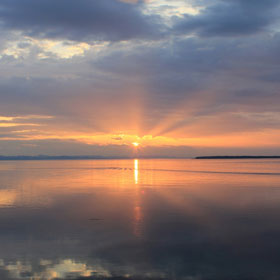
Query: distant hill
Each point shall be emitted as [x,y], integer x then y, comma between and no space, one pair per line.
[237,157]
[45,157]
[92,157]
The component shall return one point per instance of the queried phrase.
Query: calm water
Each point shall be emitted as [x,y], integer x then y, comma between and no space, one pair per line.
[140,219]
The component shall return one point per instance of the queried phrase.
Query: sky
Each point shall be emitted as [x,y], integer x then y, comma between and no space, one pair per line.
[181,78]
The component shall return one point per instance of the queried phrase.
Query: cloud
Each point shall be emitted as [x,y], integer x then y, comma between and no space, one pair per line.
[186,87]
[230,18]
[83,20]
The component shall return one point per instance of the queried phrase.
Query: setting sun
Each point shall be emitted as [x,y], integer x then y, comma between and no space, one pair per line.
[135,144]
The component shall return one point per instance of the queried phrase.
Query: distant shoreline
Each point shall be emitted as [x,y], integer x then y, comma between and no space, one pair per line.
[45,157]
[238,157]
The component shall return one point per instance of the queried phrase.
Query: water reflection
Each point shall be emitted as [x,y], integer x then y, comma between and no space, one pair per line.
[136,171]
[47,269]
[151,218]
[137,211]
[7,198]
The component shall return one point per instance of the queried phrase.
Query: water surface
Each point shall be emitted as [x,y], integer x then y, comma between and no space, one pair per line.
[140,219]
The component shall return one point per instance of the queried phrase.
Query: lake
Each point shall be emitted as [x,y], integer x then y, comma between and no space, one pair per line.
[140,219]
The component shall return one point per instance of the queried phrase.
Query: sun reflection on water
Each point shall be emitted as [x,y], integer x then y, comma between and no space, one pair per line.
[137,211]
[136,171]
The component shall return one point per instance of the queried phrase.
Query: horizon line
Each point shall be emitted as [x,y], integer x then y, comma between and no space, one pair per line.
[96,157]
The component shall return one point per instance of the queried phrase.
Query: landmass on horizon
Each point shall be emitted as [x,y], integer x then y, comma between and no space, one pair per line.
[91,157]
[95,157]
[236,157]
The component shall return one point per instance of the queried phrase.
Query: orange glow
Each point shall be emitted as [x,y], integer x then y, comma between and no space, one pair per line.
[266,138]
[170,132]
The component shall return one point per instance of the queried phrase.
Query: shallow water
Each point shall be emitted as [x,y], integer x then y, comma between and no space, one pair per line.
[140,219]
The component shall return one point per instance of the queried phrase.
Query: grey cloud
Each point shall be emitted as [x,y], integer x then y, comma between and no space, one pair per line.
[193,77]
[202,76]
[9,135]
[231,18]
[82,20]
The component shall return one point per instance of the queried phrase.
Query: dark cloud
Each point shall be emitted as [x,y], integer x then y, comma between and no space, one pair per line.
[231,18]
[231,71]
[195,78]
[78,20]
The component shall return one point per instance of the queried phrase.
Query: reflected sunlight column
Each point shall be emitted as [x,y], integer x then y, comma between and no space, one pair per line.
[136,172]
[137,211]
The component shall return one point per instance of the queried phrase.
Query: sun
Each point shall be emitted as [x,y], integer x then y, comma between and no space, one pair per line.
[135,144]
